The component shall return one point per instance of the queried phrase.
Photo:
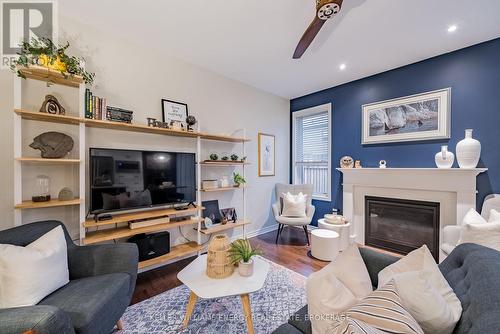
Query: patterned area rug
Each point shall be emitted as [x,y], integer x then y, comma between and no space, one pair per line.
[283,294]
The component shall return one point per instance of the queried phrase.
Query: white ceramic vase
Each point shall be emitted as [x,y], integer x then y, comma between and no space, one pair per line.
[445,158]
[245,268]
[468,151]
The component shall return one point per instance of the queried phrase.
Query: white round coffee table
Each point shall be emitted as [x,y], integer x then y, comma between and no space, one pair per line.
[343,230]
[324,244]
[202,286]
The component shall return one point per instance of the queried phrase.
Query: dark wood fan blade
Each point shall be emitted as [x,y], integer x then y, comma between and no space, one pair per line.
[308,37]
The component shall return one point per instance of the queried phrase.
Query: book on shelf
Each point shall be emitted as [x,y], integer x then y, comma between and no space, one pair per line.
[95,106]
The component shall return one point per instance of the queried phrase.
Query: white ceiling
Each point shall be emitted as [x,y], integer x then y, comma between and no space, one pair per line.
[253,41]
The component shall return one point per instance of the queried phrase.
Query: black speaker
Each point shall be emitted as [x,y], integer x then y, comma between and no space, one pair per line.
[151,245]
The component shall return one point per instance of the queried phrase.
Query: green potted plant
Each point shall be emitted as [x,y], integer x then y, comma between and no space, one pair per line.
[44,52]
[241,253]
[214,157]
[238,179]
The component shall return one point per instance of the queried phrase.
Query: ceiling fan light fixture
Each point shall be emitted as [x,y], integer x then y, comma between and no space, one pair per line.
[326,9]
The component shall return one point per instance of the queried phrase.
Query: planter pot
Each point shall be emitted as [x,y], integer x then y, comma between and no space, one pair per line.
[445,158]
[245,268]
[468,151]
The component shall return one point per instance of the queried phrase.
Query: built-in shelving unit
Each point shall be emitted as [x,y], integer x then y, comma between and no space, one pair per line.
[222,228]
[49,204]
[125,231]
[52,76]
[222,189]
[47,161]
[176,252]
[92,231]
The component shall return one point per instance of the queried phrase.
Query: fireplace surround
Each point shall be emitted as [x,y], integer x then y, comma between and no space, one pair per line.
[453,188]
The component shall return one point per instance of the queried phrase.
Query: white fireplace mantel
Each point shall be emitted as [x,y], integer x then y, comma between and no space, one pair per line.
[454,188]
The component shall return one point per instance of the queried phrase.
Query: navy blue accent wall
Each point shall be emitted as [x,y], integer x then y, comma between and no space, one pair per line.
[474,77]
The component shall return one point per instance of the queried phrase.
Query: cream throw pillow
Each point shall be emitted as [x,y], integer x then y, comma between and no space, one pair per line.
[473,217]
[350,269]
[422,260]
[424,302]
[28,274]
[487,235]
[327,297]
[382,310]
[294,205]
[494,216]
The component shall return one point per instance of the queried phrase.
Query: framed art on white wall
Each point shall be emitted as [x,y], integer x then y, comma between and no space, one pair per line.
[425,116]
[267,154]
[176,112]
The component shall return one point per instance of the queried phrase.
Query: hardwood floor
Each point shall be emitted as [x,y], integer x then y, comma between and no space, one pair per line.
[290,252]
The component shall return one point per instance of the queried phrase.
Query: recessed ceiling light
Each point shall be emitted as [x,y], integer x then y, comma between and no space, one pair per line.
[452,28]
[342,67]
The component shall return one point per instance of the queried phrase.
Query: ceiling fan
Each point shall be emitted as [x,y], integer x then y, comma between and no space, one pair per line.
[325,9]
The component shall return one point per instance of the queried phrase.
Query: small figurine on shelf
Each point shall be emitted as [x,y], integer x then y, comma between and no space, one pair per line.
[190,120]
[357,164]
[244,159]
[52,106]
[234,157]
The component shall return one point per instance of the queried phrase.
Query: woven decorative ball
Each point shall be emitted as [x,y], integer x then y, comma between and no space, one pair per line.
[219,263]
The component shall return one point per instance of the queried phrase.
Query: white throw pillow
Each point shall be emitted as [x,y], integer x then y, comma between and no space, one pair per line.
[350,269]
[327,297]
[28,274]
[473,217]
[494,216]
[294,205]
[482,234]
[421,260]
[424,302]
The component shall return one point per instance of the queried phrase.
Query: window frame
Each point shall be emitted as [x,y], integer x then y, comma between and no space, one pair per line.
[308,112]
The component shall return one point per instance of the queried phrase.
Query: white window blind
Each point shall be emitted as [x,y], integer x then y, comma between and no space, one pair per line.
[312,149]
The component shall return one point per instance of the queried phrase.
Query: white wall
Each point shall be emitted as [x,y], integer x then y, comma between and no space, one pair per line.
[137,78]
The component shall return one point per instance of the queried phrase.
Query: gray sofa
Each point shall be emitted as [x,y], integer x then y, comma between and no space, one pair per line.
[472,271]
[102,281]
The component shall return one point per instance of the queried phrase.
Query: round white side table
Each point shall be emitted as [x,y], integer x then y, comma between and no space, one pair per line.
[324,244]
[342,230]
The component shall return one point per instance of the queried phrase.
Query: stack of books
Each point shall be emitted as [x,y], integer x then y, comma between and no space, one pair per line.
[95,106]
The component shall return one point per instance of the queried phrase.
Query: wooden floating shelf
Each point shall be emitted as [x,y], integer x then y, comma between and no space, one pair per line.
[221,189]
[92,123]
[223,163]
[175,252]
[48,204]
[45,117]
[150,214]
[223,138]
[221,228]
[48,161]
[125,231]
[50,75]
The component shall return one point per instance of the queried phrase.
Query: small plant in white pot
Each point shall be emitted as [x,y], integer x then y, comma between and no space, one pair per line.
[241,253]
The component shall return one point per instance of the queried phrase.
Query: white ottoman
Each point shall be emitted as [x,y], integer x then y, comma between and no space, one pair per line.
[324,244]
[342,230]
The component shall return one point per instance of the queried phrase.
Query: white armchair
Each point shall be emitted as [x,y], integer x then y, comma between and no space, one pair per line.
[306,189]
[451,233]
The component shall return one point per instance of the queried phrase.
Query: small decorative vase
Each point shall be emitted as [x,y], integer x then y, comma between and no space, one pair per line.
[468,151]
[245,268]
[445,158]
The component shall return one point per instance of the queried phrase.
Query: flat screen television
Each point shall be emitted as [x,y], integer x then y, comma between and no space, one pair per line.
[127,179]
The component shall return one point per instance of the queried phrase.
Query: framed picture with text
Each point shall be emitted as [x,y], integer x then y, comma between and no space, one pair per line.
[174,112]
[267,155]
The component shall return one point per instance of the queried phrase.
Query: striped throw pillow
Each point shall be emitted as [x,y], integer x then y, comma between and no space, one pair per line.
[383,310]
[353,326]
